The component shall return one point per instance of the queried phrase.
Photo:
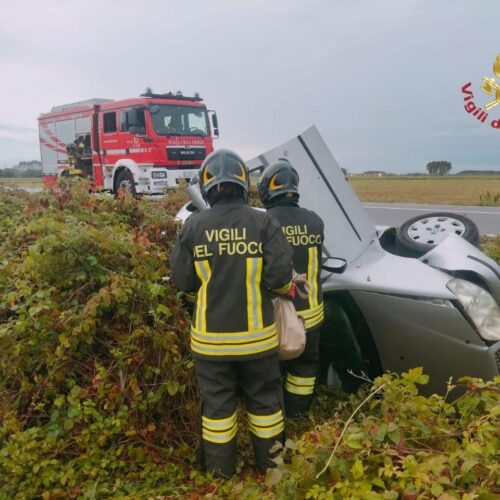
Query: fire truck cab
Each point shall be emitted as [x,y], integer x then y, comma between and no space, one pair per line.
[144,144]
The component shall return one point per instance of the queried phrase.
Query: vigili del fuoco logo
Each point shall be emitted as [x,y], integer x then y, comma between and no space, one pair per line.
[490,86]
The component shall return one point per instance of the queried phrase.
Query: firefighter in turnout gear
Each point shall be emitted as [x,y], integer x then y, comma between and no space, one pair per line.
[234,257]
[278,190]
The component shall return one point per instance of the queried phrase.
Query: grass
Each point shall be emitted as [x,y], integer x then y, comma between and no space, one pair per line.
[31,182]
[466,190]
[491,247]
[451,190]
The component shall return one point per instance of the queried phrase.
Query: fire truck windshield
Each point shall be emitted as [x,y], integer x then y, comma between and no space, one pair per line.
[170,119]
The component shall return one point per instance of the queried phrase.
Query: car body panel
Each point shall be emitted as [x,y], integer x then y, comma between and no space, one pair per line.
[379,271]
[324,189]
[413,318]
[456,254]
[411,333]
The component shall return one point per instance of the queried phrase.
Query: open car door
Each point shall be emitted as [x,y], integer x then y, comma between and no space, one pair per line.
[324,189]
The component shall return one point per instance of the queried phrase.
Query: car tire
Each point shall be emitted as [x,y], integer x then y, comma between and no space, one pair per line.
[420,234]
[346,346]
[125,180]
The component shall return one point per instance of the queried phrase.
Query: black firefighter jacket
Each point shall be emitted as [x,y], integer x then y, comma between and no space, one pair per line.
[304,231]
[232,256]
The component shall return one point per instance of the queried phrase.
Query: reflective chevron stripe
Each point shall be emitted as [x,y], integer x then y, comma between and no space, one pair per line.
[312,276]
[234,344]
[219,431]
[302,386]
[313,316]
[254,296]
[266,426]
[204,273]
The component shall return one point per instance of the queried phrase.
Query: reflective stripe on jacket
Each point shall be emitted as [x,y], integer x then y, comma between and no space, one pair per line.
[304,231]
[232,256]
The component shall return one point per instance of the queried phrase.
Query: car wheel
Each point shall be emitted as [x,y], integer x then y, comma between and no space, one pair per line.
[347,350]
[422,233]
[125,180]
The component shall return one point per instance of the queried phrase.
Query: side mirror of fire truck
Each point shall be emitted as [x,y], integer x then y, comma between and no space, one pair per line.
[215,123]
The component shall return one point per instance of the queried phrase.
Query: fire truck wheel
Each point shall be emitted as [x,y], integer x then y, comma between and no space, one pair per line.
[125,181]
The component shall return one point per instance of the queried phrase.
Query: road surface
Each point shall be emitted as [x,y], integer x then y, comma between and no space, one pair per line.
[394,214]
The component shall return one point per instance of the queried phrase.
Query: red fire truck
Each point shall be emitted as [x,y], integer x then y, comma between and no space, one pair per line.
[143,144]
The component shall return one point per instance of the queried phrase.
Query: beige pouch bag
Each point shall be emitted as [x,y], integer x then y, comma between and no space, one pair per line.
[289,325]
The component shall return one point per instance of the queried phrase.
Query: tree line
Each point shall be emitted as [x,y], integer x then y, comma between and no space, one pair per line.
[23,169]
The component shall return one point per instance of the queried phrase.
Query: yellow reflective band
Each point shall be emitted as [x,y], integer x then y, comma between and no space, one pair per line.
[233,337]
[219,437]
[243,176]
[204,274]
[267,432]
[236,340]
[218,424]
[272,183]
[300,391]
[263,420]
[312,276]
[303,386]
[305,381]
[284,289]
[312,322]
[307,313]
[313,316]
[254,297]
[229,349]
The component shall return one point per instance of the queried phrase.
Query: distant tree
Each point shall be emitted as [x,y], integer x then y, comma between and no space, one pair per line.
[23,169]
[8,172]
[438,167]
[479,172]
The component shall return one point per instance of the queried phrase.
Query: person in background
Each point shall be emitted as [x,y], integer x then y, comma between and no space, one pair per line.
[232,256]
[279,192]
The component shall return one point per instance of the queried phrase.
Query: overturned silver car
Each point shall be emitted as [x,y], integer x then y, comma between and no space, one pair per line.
[386,310]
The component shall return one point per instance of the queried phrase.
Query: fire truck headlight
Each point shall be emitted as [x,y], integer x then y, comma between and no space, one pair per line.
[480,306]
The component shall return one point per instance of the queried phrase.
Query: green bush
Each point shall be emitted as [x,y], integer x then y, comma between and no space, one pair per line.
[489,199]
[97,393]
[95,375]
[400,445]
[491,247]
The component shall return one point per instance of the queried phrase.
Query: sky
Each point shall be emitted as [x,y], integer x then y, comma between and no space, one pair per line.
[380,79]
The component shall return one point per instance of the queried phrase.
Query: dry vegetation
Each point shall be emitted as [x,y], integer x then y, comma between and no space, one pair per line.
[468,190]
[21,182]
[433,190]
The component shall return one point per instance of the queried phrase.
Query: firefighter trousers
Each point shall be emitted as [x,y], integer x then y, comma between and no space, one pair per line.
[300,377]
[260,383]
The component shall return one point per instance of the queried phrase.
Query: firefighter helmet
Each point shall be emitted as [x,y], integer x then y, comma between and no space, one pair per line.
[223,166]
[276,179]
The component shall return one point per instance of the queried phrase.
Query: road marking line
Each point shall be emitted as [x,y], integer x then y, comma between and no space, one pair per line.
[429,210]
